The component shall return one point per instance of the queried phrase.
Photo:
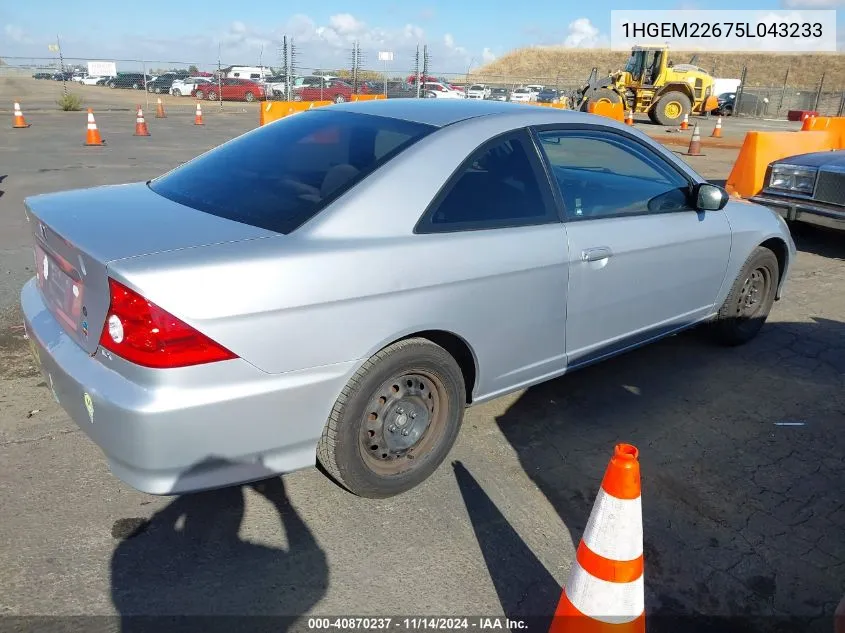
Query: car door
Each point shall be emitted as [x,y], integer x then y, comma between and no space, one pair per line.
[643,260]
[498,217]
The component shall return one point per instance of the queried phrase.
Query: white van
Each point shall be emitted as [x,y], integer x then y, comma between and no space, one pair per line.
[256,73]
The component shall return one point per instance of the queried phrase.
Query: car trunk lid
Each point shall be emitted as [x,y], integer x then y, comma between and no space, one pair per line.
[76,234]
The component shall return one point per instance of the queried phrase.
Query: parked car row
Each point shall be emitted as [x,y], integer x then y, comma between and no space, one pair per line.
[526,94]
[242,83]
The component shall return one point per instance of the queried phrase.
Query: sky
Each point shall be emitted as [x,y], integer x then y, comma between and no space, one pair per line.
[460,34]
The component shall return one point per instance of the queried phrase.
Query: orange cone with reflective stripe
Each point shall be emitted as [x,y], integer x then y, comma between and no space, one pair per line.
[160,110]
[807,125]
[198,116]
[685,122]
[629,117]
[19,122]
[695,143]
[605,592]
[717,131]
[93,137]
[141,124]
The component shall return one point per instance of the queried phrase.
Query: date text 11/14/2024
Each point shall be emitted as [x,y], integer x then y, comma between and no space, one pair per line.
[494,623]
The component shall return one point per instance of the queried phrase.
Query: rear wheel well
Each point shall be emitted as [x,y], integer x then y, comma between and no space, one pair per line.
[459,350]
[778,247]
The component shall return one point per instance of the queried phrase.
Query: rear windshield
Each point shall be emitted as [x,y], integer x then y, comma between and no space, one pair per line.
[281,175]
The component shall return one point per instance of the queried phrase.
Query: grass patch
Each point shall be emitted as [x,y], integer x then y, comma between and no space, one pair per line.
[70,102]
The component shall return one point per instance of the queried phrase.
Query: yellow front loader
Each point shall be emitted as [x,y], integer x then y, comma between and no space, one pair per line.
[651,84]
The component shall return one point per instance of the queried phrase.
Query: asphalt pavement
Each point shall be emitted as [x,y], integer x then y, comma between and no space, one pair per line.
[741,451]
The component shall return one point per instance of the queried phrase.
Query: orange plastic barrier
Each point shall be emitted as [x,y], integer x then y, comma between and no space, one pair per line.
[368,97]
[761,148]
[605,108]
[273,110]
[835,126]
[559,106]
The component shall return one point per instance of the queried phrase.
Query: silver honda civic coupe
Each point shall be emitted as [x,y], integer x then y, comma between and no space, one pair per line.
[340,284]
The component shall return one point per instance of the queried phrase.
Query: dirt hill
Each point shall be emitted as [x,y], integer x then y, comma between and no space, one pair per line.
[568,65]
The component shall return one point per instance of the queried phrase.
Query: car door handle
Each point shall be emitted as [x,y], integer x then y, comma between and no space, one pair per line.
[595,254]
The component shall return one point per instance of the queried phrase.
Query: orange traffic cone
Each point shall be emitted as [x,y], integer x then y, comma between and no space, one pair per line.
[19,122]
[93,137]
[141,124]
[717,131]
[695,143]
[605,591]
[685,122]
[807,124]
[629,117]
[160,110]
[198,117]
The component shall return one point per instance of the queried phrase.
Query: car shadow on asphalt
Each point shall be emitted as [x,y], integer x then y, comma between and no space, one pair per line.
[525,588]
[743,492]
[828,243]
[187,567]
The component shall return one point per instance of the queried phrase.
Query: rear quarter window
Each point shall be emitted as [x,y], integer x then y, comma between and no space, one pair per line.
[279,176]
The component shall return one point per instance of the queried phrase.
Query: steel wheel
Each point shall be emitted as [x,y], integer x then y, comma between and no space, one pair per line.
[672,110]
[750,299]
[396,419]
[754,289]
[401,421]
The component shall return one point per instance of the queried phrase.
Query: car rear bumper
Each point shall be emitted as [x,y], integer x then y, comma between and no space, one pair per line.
[190,429]
[805,211]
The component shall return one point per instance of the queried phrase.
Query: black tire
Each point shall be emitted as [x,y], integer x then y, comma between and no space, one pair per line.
[136,86]
[158,91]
[750,300]
[177,93]
[249,97]
[200,94]
[111,84]
[212,96]
[339,99]
[361,446]
[667,101]
[600,94]
[652,116]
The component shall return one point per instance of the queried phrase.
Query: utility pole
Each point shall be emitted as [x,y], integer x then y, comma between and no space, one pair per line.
[61,64]
[417,70]
[219,78]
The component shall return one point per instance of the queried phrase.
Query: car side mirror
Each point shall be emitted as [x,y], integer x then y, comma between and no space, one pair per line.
[710,197]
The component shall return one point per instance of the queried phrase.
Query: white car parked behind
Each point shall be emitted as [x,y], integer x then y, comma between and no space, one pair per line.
[183,87]
[478,91]
[441,91]
[523,95]
[90,80]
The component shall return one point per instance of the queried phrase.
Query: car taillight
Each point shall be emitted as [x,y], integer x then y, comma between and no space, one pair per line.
[139,331]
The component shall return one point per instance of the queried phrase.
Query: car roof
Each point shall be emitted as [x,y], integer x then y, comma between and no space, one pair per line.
[443,112]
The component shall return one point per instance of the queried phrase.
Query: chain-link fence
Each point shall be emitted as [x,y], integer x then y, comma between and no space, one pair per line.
[61,82]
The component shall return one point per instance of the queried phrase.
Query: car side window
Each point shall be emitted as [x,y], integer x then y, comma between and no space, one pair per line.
[500,185]
[603,175]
